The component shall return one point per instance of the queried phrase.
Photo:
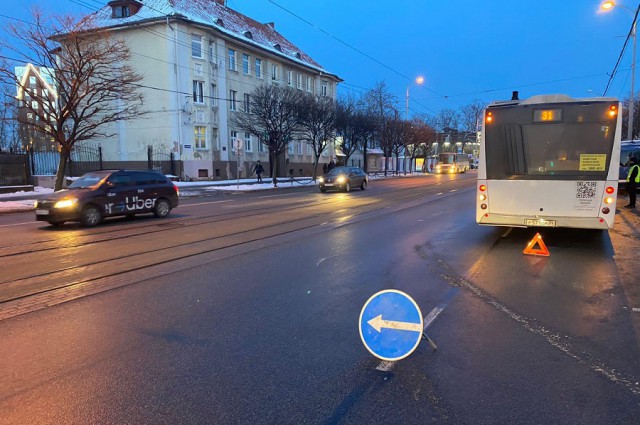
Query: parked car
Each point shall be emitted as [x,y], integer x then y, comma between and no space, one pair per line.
[101,194]
[343,178]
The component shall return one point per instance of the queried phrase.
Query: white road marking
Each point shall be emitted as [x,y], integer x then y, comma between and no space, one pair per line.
[203,203]
[385,365]
[275,196]
[21,224]
[636,309]
[440,193]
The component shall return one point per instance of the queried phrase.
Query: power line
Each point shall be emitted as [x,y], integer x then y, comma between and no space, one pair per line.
[624,47]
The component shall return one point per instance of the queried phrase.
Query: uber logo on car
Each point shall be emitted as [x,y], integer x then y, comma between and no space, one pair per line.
[101,194]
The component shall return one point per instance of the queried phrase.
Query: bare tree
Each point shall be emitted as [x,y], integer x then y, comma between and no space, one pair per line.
[96,86]
[317,124]
[419,139]
[472,115]
[448,119]
[346,125]
[382,105]
[274,118]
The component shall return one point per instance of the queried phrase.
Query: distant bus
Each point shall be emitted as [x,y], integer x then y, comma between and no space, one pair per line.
[549,161]
[452,163]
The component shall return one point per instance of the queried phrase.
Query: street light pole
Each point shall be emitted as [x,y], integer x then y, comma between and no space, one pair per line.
[418,80]
[632,100]
[606,6]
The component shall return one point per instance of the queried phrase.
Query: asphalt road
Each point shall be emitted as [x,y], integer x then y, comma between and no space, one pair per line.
[244,309]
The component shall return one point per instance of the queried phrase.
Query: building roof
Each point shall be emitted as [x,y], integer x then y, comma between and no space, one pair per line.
[213,14]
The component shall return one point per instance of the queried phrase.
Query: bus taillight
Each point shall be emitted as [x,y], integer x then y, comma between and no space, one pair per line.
[608,200]
[489,116]
[483,197]
[613,111]
[482,187]
[610,190]
[605,210]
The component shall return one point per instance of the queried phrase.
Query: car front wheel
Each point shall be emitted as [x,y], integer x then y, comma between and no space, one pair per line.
[162,208]
[347,187]
[91,216]
[363,186]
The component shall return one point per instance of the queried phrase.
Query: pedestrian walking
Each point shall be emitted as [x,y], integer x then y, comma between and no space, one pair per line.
[633,178]
[331,165]
[258,169]
[324,168]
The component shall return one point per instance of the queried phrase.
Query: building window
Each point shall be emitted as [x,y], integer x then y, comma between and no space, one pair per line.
[234,137]
[232,60]
[198,91]
[247,142]
[289,78]
[324,88]
[274,72]
[32,81]
[245,64]
[196,46]
[260,146]
[299,144]
[258,68]
[214,95]
[34,105]
[233,100]
[299,81]
[200,137]
[121,11]
[247,103]
[308,81]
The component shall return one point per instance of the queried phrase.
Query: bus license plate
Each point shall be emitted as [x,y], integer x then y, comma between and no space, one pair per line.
[540,222]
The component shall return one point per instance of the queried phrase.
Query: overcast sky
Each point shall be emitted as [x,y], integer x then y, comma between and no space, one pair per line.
[465,49]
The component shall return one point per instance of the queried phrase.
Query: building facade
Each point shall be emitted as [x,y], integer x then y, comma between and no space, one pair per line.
[38,89]
[200,61]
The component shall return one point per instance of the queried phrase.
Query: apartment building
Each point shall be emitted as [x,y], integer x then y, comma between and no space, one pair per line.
[200,61]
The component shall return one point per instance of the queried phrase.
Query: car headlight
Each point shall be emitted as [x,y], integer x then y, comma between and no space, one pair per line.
[321,179]
[66,203]
[35,204]
[341,179]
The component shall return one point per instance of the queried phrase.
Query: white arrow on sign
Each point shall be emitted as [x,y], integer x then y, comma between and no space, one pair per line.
[378,323]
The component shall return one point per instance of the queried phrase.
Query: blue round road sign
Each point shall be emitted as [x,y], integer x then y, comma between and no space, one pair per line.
[390,325]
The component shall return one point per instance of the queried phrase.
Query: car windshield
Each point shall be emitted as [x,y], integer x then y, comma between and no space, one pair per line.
[88,180]
[338,171]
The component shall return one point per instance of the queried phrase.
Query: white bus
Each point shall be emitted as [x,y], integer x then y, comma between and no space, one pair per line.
[549,161]
[450,163]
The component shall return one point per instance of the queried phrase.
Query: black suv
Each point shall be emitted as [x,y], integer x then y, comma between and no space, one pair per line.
[101,194]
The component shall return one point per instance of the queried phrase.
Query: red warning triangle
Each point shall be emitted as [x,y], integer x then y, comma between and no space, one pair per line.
[541,250]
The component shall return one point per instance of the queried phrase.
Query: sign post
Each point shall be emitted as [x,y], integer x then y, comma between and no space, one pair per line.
[238,146]
[391,325]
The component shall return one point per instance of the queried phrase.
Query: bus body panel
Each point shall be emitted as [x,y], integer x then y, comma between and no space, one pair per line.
[523,203]
[527,197]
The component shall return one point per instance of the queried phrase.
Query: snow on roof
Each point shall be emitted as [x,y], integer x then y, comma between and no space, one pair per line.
[214,15]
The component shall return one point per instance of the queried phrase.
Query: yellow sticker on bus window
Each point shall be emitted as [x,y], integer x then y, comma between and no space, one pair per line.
[593,161]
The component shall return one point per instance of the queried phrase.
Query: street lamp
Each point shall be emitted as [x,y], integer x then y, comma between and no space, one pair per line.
[609,5]
[418,80]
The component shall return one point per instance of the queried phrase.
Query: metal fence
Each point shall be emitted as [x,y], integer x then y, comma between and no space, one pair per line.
[161,161]
[14,169]
[17,167]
